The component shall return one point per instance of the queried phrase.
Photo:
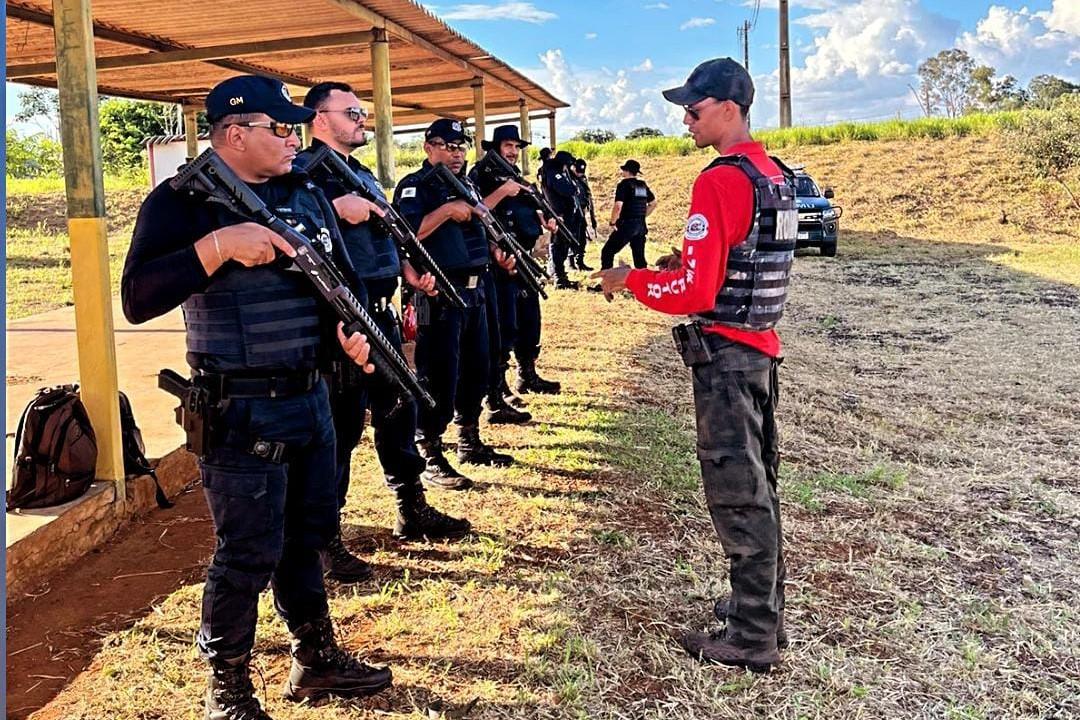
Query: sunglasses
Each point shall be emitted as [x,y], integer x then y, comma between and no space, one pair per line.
[281,130]
[694,110]
[356,114]
[450,147]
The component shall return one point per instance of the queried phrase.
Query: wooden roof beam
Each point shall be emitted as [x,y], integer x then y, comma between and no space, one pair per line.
[150,43]
[359,11]
[217,52]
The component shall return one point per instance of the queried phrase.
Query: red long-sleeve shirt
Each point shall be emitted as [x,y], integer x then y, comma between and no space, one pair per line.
[721,210]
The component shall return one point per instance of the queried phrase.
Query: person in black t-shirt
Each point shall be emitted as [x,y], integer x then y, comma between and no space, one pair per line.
[634,202]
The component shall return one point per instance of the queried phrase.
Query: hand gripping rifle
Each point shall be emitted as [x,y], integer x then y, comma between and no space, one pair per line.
[393,222]
[503,170]
[208,173]
[526,266]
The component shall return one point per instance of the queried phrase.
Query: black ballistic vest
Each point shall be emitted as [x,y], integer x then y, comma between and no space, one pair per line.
[265,317]
[759,269]
[633,210]
[516,214]
[456,247]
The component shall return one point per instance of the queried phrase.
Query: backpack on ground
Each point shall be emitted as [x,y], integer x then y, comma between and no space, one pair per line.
[135,462]
[55,450]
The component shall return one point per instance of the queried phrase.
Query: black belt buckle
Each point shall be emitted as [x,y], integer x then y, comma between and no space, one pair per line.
[691,343]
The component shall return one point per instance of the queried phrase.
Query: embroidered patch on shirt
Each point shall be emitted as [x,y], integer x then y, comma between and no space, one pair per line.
[697,227]
[409,192]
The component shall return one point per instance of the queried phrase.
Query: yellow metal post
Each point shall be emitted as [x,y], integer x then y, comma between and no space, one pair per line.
[551,130]
[479,111]
[76,78]
[305,129]
[384,111]
[191,131]
[526,134]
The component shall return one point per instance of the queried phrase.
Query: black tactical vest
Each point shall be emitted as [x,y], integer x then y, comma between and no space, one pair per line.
[455,247]
[758,269]
[517,215]
[265,317]
[634,208]
[370,247]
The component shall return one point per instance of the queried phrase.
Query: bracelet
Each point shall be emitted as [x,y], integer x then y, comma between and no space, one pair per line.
[217,246]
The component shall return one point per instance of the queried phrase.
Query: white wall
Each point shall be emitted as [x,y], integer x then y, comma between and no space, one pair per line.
[166,158]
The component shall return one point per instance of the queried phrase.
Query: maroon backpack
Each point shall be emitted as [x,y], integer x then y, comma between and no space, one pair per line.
[55,450]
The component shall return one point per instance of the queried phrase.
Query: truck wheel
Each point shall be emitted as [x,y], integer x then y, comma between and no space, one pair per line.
[828,249]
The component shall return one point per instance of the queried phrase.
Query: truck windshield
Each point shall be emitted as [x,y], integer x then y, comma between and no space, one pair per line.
[805,187]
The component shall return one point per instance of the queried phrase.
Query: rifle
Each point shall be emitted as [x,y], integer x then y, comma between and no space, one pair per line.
[209,174]
[530,271]
[510,172]
[393,222]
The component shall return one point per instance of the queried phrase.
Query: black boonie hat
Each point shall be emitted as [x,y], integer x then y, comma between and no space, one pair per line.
[721,78]
[631,166]
[255,94]
[563,158]
[501,135]
[447,130]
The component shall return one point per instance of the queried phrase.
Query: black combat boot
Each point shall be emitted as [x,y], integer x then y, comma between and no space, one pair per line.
[581,264]
[439,473]
[230,695]
[341,565]
[416,520]
[501,412]
[509,396]
[528,381]
[320,668]
[471,449]
[720,609]
[564,283]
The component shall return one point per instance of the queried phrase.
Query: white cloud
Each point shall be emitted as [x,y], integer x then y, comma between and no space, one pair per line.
[591,36]
[657,6]
[697,22]
[1023,43]
[522,11]
[619,100]
[1064,17]
[644,66]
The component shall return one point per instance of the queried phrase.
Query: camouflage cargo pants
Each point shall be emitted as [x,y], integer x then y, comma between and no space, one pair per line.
[735,397]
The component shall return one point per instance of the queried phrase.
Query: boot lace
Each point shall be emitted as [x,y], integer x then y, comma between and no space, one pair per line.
[235,693]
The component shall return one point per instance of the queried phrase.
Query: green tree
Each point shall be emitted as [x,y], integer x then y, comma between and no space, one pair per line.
[35,155]
[1045,89]
[40,106]
[1050,141]
[643,132]
[126,125]
[946,82]
[989,93]
[595,135]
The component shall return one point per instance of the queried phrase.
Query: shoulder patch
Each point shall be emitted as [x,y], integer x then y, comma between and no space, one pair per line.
[558,176]
[409,192]
[697,227]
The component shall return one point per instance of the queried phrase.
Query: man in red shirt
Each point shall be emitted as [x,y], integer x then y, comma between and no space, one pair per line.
[732,278]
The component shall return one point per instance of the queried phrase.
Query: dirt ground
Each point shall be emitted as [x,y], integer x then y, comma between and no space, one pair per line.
[930,420]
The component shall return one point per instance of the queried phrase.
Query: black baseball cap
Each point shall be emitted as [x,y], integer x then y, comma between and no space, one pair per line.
[501,134]
[631,166]
[721,78]
[255,94]
[446,129]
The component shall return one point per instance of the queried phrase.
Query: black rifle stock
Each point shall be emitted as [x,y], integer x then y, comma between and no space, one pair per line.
[208,173]
[510,172]
[403,235]
[527,268]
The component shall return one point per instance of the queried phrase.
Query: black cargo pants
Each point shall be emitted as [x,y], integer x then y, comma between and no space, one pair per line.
[735,397]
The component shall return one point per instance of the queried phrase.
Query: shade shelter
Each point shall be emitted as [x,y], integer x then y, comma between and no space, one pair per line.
[402,59]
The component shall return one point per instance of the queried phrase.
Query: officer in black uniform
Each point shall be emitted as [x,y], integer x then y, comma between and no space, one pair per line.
[518,308]
[564,195]
[339,123]
[255,331]
[577,171]
[452,345]
[634,202]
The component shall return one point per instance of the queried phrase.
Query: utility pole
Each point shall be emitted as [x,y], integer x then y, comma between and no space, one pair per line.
[785,68]
[744,33]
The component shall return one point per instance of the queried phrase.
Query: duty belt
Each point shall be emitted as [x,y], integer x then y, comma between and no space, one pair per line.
[470,282]
[381,304]
[256,386]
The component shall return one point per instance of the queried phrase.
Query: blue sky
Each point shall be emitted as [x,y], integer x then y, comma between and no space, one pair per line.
[851,59]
